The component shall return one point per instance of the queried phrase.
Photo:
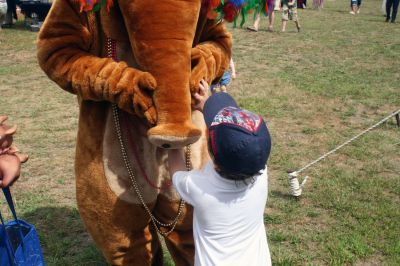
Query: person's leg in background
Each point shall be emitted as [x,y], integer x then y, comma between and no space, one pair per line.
[353,6]
[315,4]
[271,20]
[395,8]
[285,17]
[293,16]
[271,14]
[256,23]
[277,5]
[389,4]
[233,68]
[9,16]
[383,8]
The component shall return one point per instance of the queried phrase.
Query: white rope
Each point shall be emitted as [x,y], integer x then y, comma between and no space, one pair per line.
[296,188]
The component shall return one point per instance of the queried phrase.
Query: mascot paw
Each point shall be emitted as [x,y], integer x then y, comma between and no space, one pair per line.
[151,115]
[200,69]
[172,136]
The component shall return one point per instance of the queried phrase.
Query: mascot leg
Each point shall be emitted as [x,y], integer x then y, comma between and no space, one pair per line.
[179,242]
[118,227]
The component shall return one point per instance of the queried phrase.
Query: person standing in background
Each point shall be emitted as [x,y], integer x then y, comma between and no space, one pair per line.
[389,5]
[383,8]
[355,6]
[318,4]
[11,13]
[289,12]
[3,11]
[273,5]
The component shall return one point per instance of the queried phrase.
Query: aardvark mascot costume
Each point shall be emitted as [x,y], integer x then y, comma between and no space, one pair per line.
[133,65]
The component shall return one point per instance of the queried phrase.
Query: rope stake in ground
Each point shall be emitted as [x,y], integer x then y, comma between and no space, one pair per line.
[296,187]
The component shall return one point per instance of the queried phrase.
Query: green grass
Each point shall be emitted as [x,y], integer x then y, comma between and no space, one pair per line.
[316,89]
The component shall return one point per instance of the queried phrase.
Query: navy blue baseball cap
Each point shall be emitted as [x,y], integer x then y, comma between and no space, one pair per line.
[239,140]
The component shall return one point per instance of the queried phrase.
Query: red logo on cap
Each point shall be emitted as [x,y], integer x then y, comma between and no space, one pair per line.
[239,117]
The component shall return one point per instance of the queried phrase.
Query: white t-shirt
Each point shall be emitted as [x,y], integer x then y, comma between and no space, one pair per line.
[228,218]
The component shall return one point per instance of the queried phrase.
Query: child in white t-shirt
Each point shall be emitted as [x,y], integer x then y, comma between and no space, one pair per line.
[229,195]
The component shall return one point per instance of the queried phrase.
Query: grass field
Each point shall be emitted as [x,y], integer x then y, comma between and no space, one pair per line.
[316,89]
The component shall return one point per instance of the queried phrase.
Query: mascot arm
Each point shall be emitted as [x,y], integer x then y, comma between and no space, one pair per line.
[210,58]
[64,43]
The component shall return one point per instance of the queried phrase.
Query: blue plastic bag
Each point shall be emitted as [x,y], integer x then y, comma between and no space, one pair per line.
[19,242]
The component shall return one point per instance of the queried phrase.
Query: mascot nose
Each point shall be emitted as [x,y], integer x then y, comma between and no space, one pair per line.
[165,52]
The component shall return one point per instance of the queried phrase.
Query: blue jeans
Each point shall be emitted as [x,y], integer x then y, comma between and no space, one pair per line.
[226,78]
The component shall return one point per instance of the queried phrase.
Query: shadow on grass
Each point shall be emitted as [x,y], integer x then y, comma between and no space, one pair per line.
[380,20]
[63,237]
[341,11]
[282,195]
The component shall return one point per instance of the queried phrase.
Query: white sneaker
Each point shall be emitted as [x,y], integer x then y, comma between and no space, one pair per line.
[352,12]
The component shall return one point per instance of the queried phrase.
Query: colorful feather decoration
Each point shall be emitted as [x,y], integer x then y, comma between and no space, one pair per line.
[229,10]
[94,5]
[238,3]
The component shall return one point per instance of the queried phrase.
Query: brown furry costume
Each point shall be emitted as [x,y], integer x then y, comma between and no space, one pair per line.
[164,48]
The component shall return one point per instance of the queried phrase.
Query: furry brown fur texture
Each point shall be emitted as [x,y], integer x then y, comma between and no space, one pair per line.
[164,49]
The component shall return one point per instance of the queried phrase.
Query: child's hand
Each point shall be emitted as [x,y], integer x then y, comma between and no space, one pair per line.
[201,96]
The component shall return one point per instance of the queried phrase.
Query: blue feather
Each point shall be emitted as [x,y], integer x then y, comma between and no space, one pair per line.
[238,3]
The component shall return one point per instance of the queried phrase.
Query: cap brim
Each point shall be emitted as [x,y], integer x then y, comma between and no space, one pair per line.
[216,103]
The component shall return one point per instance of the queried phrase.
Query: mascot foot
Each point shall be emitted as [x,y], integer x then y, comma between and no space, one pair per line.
[172,136]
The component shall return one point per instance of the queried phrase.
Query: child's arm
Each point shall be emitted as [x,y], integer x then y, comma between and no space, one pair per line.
[201,96]
[176,161]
